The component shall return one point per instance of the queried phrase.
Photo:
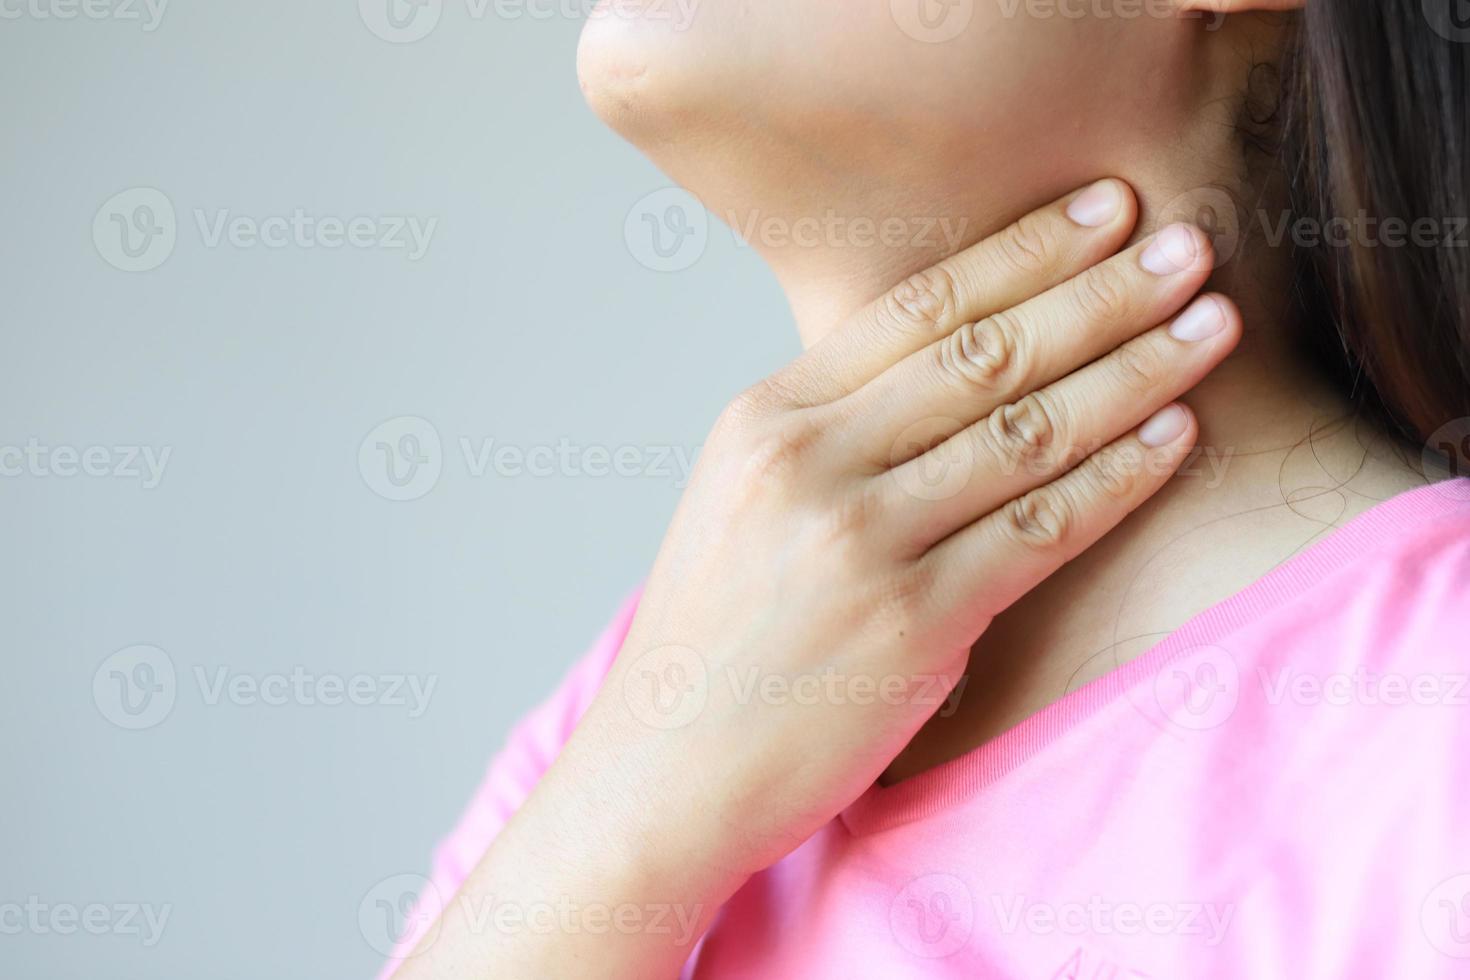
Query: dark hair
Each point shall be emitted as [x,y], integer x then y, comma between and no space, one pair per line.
[1376,121]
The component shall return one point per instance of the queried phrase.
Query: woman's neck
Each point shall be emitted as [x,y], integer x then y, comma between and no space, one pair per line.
[1282,461]
[1264,395]
[847,196]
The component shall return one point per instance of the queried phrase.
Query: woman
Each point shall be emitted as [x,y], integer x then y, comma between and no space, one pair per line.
[957,661]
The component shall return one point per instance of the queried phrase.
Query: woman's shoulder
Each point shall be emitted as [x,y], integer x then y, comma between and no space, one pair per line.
[1372,617]
[1405,564]
[1400,559]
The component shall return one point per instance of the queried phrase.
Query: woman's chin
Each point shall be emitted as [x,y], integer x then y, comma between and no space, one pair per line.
[641,72]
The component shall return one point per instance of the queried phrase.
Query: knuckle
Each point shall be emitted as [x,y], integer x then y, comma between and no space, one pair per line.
[904,597]
[743,410]
[1028,245]
[925,299]
[982,354]
[765,399]
[1137,368]
[1027,430]
[779,450]
[786,389]
[853,516]
[1102,293]
[1112,475]
[1041,519]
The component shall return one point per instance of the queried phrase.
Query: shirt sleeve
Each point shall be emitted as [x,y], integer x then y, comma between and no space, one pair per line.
[530,749]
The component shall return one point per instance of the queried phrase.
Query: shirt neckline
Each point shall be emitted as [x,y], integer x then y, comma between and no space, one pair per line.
[936,789]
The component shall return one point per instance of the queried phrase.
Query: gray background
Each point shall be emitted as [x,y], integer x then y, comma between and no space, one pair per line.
[530,320]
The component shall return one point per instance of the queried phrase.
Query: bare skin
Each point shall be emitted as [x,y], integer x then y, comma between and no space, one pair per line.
[1027,106]
[906,487]
[859,517]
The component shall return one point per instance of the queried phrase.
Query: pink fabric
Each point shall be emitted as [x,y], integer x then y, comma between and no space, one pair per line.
[1281,788]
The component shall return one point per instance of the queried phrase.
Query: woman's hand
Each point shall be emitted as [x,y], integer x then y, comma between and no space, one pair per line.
[853,525]
[857,520]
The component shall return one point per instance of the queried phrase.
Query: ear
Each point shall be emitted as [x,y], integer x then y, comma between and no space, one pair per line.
[1241,6]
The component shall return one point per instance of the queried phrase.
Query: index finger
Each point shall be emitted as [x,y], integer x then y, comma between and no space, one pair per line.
[1039,251]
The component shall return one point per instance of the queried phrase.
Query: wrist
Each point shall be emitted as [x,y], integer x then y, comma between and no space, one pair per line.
[643,814]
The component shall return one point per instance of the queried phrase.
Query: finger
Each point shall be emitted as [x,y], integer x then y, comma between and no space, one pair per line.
[1030,443]
[991,563]
[939,390]
[1044,248]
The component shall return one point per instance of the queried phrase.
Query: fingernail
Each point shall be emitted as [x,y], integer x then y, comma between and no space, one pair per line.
[1097,205]
[1200,322]
[1173,250]
[1169,424]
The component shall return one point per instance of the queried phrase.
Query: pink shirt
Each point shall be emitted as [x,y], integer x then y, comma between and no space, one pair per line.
[1281,788]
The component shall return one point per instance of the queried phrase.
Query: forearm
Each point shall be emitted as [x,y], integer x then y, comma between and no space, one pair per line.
[602,873]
